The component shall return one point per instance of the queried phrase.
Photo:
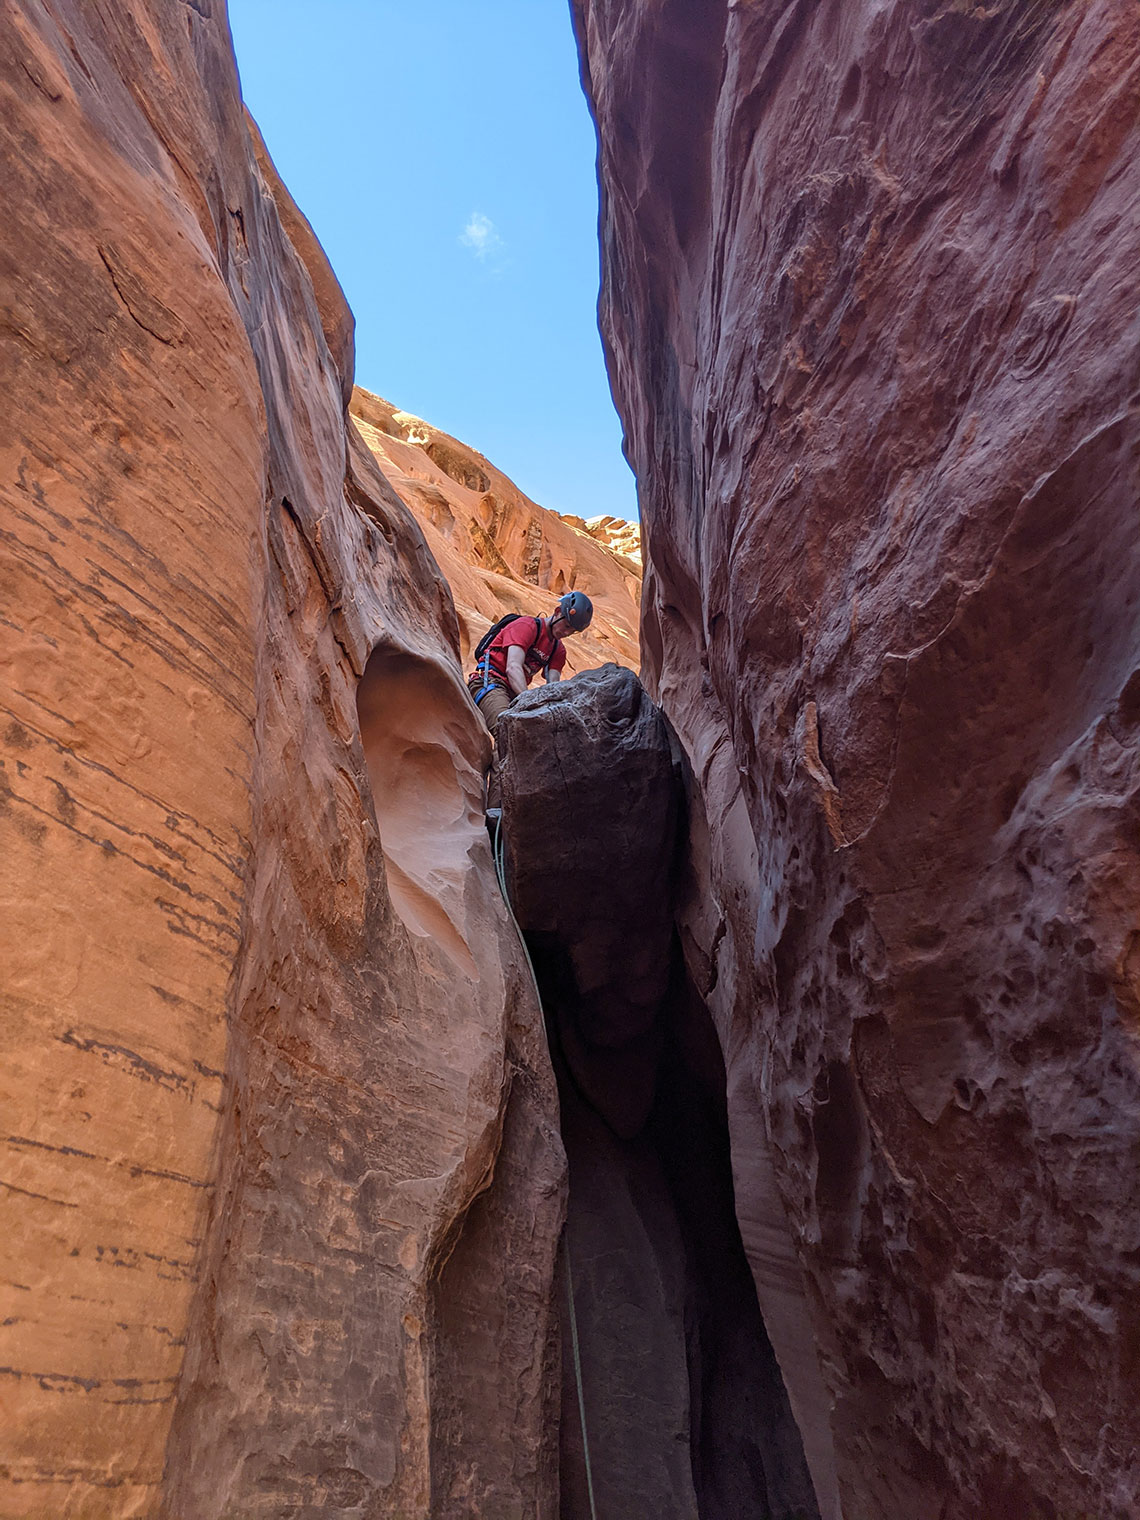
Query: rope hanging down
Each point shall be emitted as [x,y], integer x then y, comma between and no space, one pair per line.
[501,874]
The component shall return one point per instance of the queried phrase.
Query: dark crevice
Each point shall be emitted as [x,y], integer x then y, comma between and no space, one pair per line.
[686,1412]
[672,1341]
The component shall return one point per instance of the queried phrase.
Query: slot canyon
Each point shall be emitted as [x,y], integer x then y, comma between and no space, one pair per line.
[768,1149]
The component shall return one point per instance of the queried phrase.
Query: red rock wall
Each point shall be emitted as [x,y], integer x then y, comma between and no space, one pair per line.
[273,1069]
[869,296]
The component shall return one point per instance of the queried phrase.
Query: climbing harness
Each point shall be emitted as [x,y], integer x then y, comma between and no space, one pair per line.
[497,850]
[483,690]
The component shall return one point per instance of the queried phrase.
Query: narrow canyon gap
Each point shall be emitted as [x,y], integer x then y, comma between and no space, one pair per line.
[844,1002]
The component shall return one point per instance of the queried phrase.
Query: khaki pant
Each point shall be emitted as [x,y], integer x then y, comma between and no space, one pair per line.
[492,708]
[494,705]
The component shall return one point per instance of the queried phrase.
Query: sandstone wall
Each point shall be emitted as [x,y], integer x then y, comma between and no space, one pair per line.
[869,297]
[273,1070]
[499,550]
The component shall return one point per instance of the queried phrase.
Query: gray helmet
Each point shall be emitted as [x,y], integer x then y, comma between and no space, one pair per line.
[577,608]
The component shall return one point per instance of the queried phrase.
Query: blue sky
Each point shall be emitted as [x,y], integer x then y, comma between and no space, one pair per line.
[443,152]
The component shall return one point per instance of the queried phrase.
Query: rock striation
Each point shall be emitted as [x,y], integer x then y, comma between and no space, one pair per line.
[282,1181]
[499,550]
[869,301]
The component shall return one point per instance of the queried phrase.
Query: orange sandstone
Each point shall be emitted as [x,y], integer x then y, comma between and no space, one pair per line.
[499,550]
[276,1097]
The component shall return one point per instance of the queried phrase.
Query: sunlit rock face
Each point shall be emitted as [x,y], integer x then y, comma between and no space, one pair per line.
[499,550]
[622,537]
[282,1183]
[869,296]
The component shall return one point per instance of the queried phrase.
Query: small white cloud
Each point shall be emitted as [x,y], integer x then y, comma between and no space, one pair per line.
[480,236]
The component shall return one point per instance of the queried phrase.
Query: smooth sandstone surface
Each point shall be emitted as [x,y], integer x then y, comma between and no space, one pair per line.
[500,551]
[615,532]
[869,297]
[282,1184]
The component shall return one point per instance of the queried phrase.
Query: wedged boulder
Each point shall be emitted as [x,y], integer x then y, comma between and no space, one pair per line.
[684,1406]
[590,795]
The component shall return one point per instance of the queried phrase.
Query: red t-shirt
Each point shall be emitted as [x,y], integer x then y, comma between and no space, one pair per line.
[539,644]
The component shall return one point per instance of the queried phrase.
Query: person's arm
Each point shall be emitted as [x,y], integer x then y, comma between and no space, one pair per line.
[556,662]
[516,674]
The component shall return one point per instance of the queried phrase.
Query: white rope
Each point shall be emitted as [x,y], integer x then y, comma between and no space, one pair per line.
[578,1374]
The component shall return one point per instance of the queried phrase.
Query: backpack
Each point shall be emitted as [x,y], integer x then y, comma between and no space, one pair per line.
[489,637]
[483,646]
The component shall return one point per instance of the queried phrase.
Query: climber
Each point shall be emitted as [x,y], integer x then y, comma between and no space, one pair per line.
[517,648]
